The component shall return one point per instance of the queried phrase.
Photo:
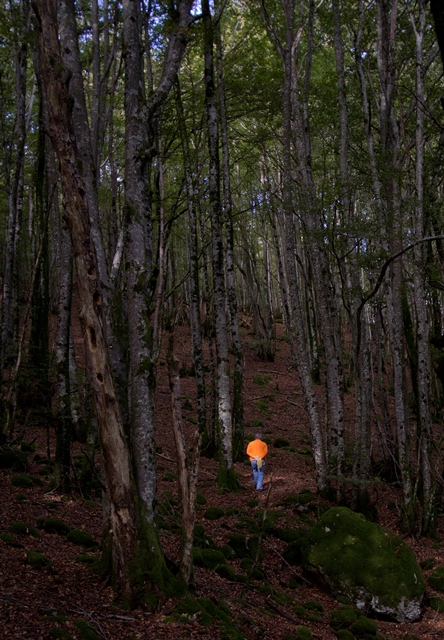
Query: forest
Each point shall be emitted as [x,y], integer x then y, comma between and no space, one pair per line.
[245,178]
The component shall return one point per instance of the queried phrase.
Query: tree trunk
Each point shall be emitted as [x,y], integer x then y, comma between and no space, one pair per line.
[71,58]
[193,282]
[386,23]
[226,476]
[422,324]
[9,322]
[238,373]
[131,548]
[187,466]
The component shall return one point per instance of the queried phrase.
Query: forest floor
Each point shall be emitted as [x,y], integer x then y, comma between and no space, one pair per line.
[68,597]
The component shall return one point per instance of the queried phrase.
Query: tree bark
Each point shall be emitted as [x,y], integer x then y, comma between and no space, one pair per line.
[226,476]
[136,574]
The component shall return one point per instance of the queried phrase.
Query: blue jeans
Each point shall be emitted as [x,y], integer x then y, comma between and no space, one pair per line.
[258,474]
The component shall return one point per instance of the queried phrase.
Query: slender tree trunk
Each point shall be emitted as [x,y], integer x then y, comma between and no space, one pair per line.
[9,324]
[422,328]
[143,294]
[193,283]
[226,475]
[386,25]
[238,373]
[187,467]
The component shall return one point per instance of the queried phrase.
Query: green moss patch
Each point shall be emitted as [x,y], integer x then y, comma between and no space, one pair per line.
[252,570]
[208,613]
[428,564]
[245,546]
[210,558]
[304,633]
[20,528]
[7,538]
[436,579]
[53,525]
[306,614]
[343,618]
[437,604]
[213,513]
[81,538]
[364,627]
[25,481]
[261,379]
[37,559]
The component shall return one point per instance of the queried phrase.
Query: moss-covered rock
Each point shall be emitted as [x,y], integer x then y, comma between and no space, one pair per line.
[343,618]
[254,572]
[305,614]
[25,481]
[214,513]
[53,525]
[7,538]
[437,604]
[22,529]
[228,551]
[436,579]
[201,539]
[210,558]
[86,558]
[245,546]
[364,627]
[227,572]
[304,633]
[37,559]
[312,605]
[428,564]
[81,538]
[208,613]
[361,561]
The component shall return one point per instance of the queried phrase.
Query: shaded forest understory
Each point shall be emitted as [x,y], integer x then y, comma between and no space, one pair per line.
[66,598]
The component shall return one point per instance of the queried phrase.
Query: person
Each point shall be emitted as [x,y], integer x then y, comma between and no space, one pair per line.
[257,450]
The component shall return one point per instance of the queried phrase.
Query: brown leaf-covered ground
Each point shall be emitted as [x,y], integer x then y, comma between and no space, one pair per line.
[38,604]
